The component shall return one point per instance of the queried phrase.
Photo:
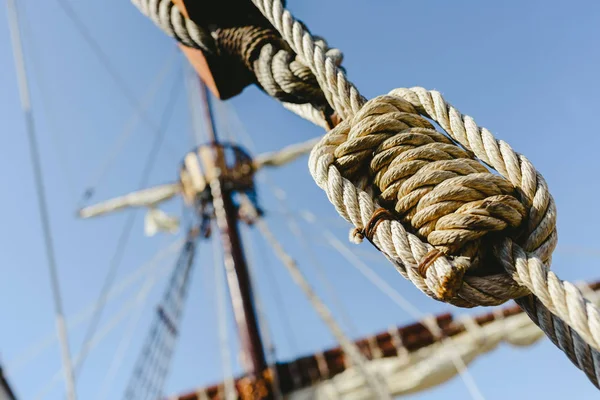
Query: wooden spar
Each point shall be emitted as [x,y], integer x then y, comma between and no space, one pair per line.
[238,277]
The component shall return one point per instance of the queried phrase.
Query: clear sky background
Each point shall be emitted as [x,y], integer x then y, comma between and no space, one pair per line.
[526,70]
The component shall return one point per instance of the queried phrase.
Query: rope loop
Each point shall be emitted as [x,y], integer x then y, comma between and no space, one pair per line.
[437,190]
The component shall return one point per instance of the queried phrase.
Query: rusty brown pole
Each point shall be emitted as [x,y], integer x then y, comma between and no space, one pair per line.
[238,277]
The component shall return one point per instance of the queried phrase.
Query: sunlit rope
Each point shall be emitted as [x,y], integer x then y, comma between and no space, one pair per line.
[46,104]
[403,303]
[388,290]
[222,314]
[350,348]
[294,228]
[193,88]
[41,196]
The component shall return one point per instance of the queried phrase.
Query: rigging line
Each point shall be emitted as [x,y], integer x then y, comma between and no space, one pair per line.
[263,325]
[40,79]
[129,222]
[229,380]
[41,196]
[372,379]
[152,363]
[128,128]
[130,306]
[193,88]
[125,342]
[400,300]
[75,320]
[105,62]
[265,330]
[293,226]
[274,285]
[121,84]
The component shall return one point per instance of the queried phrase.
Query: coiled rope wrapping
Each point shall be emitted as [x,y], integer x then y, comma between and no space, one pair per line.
[450,275]
[265,57]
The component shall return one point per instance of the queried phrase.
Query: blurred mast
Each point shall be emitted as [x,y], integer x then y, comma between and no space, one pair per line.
[238,278]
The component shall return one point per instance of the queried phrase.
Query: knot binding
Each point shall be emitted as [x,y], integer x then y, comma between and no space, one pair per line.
[437,189]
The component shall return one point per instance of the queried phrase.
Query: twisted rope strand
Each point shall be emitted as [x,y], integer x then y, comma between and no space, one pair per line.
[166,15]
[526,263]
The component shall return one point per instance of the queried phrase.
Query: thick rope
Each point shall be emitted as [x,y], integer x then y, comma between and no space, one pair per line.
[458,217]
[170,20]
[266,57]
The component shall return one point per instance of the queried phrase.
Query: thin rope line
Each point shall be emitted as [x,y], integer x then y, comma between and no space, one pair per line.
[40,79]
[41,196]
[350,348]
[220,294]
[128,225]
[263,325]
[125,341]
[400,300]
[388,290]
[288,331]
[293,226]
[130,306]
[73,321]
[127,130]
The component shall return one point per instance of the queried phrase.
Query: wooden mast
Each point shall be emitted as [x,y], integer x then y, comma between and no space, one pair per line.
[238,277]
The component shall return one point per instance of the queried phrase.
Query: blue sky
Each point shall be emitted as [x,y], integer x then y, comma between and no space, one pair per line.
[525,70]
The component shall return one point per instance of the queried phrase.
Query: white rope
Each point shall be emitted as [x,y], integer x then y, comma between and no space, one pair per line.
[527,266]
[398,299]
[348,346]
[13,19]
[229,381]
[193,88]
[46,104]
[295,229]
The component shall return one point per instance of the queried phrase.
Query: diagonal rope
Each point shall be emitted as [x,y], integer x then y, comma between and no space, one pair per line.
[221,295]
[293,226]
[41,196]
[402,302]
[125,342]
[20,361]
[39,77]
[385,288]
[128,128]
[264,328]
[129,307]
[349,347]
[129,222]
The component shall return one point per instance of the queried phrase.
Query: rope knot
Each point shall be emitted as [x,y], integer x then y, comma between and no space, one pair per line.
[436,189]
